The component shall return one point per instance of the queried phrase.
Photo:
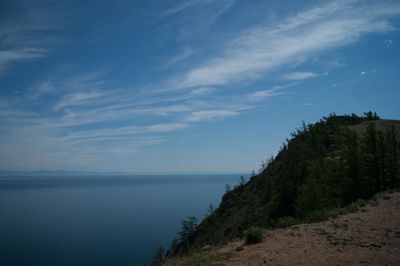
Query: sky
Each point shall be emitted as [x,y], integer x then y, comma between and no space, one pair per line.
[185,86]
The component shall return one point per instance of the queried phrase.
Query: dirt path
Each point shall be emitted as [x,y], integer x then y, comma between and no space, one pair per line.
[370,236]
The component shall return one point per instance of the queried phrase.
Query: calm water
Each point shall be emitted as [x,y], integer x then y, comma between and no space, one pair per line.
[117,220]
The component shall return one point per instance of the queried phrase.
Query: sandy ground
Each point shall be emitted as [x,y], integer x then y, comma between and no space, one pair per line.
[370,236]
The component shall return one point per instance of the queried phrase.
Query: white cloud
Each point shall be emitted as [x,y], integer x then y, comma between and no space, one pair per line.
[199,116]
[263,94]
[294,76]
[179,8]
[45,146]
[168,127]
[362,73]
[77,98]
[296,39]
[202,91]
[191,18]
[124,131]
[111,111]
[24,33]
[185,54]
[8,57]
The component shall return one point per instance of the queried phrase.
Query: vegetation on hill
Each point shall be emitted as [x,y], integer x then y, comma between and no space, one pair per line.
[369,235]
[325,165]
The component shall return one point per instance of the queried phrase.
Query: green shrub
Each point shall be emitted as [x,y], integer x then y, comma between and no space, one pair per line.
[317,216]
[355,206]
[286,221]
[333,213]
[254,235]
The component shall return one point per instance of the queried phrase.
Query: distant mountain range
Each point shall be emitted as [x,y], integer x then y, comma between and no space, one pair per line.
[44,173]
[56,173]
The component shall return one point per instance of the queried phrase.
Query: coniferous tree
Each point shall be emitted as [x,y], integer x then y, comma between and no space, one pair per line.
[371,115]
[174,246]
[242,181]
[158,259]
[351,185]
[335,177]
[371,180]
[391,158]
[312,193]
[382,167]
[188,227]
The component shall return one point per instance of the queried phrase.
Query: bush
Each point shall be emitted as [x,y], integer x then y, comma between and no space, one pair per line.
[286,221]
[317,216]
[254,235]
[355,206]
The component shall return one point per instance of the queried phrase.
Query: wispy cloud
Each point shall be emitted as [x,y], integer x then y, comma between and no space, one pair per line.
[263,94]
[294,76]
[24,34]
[8,57]
[124,131]
[267,47]
[77,98]
[179,8]
[207,115]
[44,143]
[191,18]
[202,91]
[185,54]
[115,112]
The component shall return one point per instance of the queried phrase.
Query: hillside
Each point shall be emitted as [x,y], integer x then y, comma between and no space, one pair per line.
[323,167]
[368,236]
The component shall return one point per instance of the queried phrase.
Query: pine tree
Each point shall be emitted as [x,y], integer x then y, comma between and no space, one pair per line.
[242,181]
[174,246]
[382,167]
[351,185]
[158,258]
[391,159]
[188,227]
[370,170]
[312,193]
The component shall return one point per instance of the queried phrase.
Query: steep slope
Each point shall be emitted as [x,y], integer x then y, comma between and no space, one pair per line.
[368,236]
[324,165]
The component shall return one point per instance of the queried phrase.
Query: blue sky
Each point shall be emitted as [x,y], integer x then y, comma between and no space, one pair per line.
[185,86]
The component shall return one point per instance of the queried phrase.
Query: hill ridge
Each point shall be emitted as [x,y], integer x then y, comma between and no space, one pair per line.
[325,165]
[368,236]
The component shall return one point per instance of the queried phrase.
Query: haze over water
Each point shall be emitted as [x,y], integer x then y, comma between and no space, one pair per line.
[113,220]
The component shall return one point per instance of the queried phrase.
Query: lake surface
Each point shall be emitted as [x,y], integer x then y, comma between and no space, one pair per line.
[113,220]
